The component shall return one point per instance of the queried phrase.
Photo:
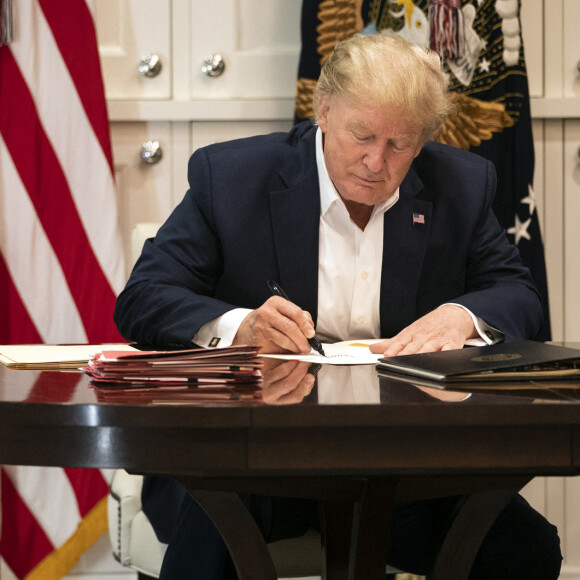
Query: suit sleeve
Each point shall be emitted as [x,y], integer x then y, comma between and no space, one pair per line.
[500,288]
[169,294]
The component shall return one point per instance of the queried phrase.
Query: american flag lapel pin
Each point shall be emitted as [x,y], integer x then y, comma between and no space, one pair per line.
[418,218]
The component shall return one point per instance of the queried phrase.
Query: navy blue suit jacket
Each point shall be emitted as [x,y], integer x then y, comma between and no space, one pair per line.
[252,214]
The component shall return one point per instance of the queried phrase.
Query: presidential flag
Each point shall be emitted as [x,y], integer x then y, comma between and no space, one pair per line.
[61,263]
[480,44]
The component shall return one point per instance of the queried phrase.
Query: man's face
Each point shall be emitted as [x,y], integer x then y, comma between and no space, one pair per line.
[367,151]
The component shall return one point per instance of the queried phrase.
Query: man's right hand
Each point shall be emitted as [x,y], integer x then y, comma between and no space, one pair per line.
[277,326]
[286,382]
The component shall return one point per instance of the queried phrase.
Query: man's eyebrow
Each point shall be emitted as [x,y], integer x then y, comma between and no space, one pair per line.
[358,126]
[406,137]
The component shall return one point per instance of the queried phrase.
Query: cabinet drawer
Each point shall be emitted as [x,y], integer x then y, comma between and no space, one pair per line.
[128,31]
[259,43]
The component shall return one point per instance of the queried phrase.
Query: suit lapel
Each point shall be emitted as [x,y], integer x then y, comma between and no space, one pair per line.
[295,217]
[407,227]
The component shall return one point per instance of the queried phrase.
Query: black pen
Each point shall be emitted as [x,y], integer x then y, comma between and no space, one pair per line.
[277,290]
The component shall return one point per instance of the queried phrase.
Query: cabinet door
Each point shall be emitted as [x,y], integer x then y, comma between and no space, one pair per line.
[258,41]
[532,22]
[144,190]
[571,230]
[571,53]
[128,31]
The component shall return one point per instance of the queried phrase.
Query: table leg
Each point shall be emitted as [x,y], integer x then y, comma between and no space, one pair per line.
[472,522]
[239,531]
[335,531]
[355,535]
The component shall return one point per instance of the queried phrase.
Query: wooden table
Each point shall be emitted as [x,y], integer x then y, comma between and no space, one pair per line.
[401,441]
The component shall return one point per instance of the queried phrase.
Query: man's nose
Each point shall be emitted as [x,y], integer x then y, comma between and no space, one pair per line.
[375,158]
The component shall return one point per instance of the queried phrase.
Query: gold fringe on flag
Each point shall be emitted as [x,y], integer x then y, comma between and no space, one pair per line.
[304,92]
[339,19]
[62,560]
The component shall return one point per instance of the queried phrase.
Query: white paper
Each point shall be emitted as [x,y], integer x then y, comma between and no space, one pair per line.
[348,352]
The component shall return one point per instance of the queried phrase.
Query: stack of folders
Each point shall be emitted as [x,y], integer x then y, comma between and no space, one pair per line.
[185,376]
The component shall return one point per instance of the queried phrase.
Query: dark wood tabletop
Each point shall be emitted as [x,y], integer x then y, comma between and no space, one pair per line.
[391,426]
[355,439]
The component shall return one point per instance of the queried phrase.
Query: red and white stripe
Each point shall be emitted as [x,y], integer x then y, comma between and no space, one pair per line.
[59,235]
[50,516]
[61,263]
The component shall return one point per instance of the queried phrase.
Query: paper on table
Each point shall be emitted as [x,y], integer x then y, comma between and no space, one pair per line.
[347,352]
[52,357]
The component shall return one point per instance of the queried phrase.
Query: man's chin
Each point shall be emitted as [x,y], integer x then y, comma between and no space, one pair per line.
[366,195]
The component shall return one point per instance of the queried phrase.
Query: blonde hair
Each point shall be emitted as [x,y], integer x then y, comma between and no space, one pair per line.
[384,69]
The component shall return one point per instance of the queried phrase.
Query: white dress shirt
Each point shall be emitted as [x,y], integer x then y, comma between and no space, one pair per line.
[349,264]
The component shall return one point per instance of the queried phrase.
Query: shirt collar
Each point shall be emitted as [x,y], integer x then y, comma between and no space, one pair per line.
[328,193]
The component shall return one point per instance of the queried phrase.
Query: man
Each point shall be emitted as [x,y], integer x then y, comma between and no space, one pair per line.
[374,232]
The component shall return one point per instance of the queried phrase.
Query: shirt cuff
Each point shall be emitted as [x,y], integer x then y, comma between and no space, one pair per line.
[222,330]
[488,334]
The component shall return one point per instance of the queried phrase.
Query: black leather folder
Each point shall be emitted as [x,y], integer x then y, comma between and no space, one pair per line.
[521,360]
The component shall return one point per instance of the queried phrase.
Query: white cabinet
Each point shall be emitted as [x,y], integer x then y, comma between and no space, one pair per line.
[182,107]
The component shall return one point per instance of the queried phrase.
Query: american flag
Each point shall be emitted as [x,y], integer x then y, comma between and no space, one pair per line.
[418,218]
[61,263]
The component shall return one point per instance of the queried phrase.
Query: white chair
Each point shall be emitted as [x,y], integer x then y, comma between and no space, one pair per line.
[134,542]
[136,546]
[140,233]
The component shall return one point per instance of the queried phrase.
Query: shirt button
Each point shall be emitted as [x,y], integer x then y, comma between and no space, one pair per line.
[364,275]
[361,320]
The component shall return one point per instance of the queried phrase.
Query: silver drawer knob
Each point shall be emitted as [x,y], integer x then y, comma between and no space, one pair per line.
[214,65]
[150,65]
[151,152]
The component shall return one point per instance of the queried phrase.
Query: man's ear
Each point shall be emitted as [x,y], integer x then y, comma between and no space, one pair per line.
[420,147]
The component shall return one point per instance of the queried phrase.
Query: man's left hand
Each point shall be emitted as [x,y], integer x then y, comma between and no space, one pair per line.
[445,328]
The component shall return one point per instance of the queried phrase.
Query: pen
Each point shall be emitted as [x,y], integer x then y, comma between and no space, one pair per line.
[277,290]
